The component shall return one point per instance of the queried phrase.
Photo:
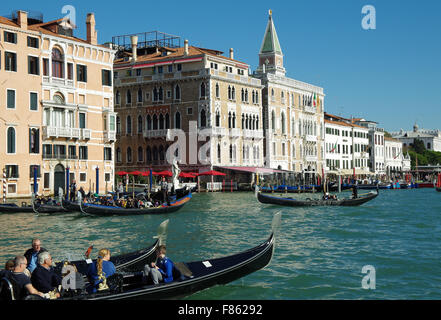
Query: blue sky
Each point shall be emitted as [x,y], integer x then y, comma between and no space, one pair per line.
[390,75]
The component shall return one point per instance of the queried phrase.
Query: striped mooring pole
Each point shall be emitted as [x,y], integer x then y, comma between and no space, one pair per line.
[4,185]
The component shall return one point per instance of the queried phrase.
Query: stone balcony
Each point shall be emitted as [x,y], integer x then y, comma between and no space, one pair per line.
[58,132]
[155,134]
[253,134]
[58,81]
[235,133]
[109,136]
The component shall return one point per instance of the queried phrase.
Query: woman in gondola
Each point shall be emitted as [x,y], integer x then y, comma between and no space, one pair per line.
[100,270]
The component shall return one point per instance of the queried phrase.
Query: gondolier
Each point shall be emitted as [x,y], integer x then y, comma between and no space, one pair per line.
[73,190]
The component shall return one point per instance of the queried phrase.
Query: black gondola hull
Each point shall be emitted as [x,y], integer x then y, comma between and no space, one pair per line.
[222,271]
[109,211]
[289,202]
[13,208]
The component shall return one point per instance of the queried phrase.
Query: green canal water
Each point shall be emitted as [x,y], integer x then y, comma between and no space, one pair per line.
[320,251]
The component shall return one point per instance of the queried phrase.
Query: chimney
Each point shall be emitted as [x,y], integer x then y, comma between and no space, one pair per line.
[22,19]
[134,40]
[186,47]
[231,53]
[92,36]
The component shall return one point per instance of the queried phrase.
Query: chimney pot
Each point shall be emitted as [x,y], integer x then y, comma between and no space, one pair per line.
[186,47]
[231,53]
[92,36]
[22,19]
[134,40]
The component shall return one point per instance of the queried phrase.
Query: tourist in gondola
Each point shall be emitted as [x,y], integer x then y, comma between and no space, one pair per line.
[9,267]
[32,254]
[22,280]
[44,278]
[162,269]
[100,269]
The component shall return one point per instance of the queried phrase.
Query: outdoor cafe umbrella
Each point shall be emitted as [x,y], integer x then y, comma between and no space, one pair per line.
[164,174]
[211,173]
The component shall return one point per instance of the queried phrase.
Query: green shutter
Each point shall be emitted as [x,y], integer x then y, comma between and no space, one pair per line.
[11,99]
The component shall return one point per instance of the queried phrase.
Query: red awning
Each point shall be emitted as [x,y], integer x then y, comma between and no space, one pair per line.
[212,173]
[255,170]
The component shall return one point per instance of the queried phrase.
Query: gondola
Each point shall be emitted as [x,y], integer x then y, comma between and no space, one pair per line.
[290,202]
[96,209]
[49,208]
[13,208]
[191,277]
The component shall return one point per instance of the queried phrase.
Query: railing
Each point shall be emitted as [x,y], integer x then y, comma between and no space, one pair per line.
[253,134]
[235,132]
[57,132]
[109,136]
[58,81]
[85,134]
[161,133]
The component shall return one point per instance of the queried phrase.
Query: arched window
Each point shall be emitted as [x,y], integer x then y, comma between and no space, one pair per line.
[229,93]
[11,140]
[229,120]
[129,155]
[155,94]
[57,63]
[149,122]
[203,90]
[246,95]
[257,97]
[155,122]
[217,90]
[118,155]
[177,93]
[167,121]
[149,155]
[161,153]
[219,152]
[178,120]
[161,122]
[283,122]
[117,97]
[155,154]
[140,154]
[203,118]
[243,95]
[129,125]
[139,95]
[273,120]
[139,124]
[231,153]
[118,125]
[257,122]
[59,98]
[128,97]
[233,93]
[217,118]
[234,120]
[161,94]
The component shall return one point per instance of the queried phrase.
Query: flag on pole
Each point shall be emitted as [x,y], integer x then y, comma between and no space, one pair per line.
[334,147]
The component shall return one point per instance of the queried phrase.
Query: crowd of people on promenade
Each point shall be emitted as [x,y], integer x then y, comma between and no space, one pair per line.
[33,273]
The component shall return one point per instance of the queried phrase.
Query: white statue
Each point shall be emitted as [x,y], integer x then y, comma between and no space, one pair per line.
[176,171]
